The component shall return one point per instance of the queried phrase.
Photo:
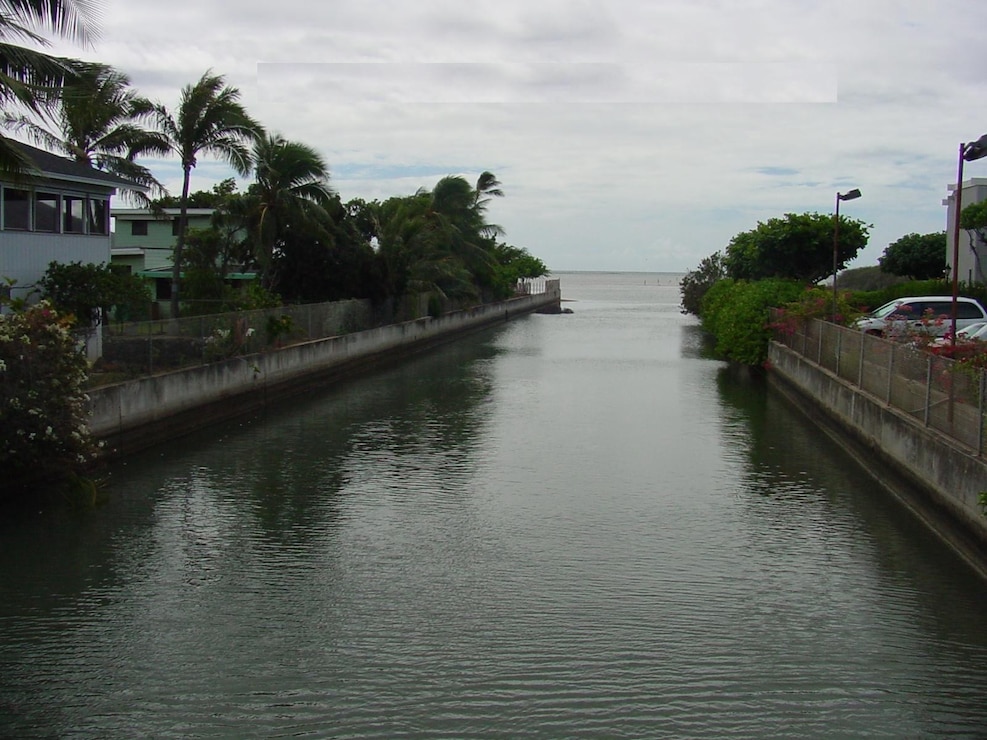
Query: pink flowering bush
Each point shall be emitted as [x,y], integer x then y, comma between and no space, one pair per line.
[44,439]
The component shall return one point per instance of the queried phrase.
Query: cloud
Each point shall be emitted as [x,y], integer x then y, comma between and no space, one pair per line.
[628,135]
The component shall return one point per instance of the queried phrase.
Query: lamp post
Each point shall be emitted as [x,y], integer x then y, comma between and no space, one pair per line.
[849,195]
[968,153]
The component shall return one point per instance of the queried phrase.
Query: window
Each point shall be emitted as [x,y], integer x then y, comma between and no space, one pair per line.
[16,209]
[966,310]
[73,209]
[138,228]
[174,226]
[46,211]
[99,216]
[162,289]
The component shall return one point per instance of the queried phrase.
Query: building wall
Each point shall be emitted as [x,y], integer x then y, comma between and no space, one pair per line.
[146,411]
[935,478]
[25,256]
[159,243]
[972,257]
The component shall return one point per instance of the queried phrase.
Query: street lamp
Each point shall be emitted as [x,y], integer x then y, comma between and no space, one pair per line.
[850,195]
[968,153]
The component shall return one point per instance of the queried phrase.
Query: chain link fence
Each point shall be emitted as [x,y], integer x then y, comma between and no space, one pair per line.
[153,346]
[939,392]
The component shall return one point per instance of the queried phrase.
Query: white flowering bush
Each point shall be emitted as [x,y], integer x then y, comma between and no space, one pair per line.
[225,343]
[44,439]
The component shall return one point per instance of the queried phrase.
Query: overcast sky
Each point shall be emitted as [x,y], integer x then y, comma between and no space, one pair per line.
[627,135]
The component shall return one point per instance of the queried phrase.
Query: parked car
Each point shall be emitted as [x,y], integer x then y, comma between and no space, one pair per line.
[922,314]
[969,342]
[973,333]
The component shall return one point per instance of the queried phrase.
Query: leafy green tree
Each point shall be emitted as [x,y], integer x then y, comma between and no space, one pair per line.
[513,264]
[209,120]
[216,197]
[440,242]
[870,277]
[291,192]
[365,218]
[99,124]
[30,78]
[86,291]
[973,219]
[737,314]
[797,247]
[917,256]
[696,282]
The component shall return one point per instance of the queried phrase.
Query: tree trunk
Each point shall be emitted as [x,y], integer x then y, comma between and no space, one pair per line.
[176,268]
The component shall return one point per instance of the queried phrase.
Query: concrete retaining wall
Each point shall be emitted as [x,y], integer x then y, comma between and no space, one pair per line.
[135,414]
[931,474]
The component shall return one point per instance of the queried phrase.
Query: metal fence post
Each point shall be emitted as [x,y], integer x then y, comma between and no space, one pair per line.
[928,389]
[980,436]
[839,351]
[891,354]
[860,364]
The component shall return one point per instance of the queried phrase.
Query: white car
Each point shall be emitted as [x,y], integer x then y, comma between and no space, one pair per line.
[973,333]
[922,314]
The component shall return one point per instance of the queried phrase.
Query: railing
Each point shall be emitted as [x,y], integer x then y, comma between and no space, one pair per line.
[139,348]
[939,392]
[151,346]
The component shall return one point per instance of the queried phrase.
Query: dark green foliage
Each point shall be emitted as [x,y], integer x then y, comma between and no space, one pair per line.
[84,291]
[215,198]
[867,278]
[795,247]
[917,256]
[209,120]
[695,283]
[440,242]
[513,264]
[736,314]
[869,300]
[99,122]
[973,218]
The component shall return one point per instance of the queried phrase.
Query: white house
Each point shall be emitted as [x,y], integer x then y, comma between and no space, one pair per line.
[60,213]
[972,253]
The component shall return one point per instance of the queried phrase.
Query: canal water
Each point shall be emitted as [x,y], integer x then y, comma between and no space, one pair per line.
[572,526]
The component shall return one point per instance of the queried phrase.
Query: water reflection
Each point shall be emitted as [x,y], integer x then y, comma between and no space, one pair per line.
[834,538]
[571,526]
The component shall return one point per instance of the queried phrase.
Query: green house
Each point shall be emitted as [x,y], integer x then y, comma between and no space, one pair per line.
[144,243]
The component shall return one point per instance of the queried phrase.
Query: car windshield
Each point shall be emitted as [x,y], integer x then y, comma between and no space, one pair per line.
[887,309]
[976,331]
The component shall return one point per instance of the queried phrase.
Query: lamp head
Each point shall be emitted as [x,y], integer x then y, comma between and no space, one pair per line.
[855,193]
[976,149]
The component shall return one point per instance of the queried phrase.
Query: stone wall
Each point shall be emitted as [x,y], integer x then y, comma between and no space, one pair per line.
[934,476]
[138,413]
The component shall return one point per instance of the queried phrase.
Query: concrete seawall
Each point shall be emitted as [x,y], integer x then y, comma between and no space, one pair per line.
[935,477]
[129,416]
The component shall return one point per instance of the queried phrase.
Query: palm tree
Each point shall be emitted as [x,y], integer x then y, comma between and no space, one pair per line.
[291,187]
[209,120]
[99,119]
[440,241]
[31,78]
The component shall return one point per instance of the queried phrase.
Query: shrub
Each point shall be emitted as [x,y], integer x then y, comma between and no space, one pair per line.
[736,313]
[44,439]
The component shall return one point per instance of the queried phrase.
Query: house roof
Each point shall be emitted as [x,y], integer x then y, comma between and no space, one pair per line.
[55,167]
[137,214]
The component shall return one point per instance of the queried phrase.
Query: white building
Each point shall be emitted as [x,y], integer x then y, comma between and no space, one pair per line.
[972,252]
[61,213]
[58,213]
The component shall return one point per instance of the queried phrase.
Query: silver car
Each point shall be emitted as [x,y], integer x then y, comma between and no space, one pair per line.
[921,314]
